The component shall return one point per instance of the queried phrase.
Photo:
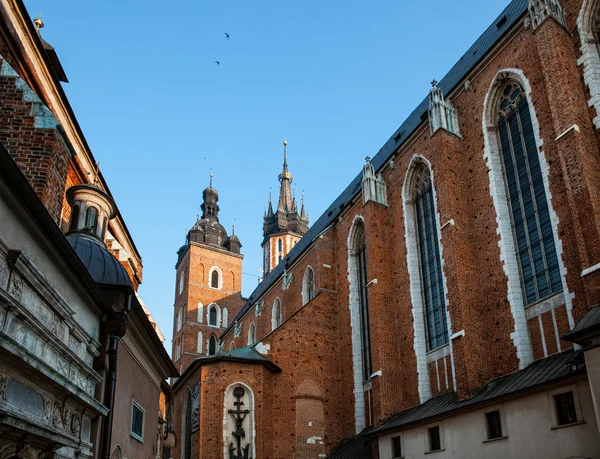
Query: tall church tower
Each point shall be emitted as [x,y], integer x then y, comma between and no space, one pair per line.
[283,228]
[208,285]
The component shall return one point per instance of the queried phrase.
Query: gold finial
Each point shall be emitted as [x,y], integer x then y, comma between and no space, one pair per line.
[284,140]
[211,177]
[39,24]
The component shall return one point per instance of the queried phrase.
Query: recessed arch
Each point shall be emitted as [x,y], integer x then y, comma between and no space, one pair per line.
[308,285]
[276,315]
[252,334]
[235,393]
[213,315]
[212,345]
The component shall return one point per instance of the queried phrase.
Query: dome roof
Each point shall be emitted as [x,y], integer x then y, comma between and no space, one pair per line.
[210,191]
[102,266]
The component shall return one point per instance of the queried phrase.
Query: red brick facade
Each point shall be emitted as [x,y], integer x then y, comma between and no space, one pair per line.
[313,396]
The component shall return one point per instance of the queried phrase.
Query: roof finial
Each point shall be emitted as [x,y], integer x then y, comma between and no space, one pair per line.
[233,227]
[284,152]
[434,83]
[211,177]
[39,24]
[270,193]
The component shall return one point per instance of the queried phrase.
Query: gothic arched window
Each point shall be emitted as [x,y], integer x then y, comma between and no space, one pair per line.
[179,319]
[308,285]
[214,279]
[212,316]
[280,245]
[530,215]
[359,300]
[224,317]
[212,345]
[430,260]
[74,218]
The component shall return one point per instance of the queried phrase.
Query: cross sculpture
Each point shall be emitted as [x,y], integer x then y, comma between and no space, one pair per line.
[238,415]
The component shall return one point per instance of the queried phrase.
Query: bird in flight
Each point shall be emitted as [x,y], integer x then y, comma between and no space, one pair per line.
[218,63]
[226,35]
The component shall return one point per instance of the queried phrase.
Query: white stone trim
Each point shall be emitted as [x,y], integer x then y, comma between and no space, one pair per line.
[210,271]
[249,427]
[208,308]
[354,306]
[414,271]
[200,311]
[200,343]
[590,58]
[251,328]
[590,270]
[508,254]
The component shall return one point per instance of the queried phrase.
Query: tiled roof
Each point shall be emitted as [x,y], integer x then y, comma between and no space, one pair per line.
[509,17]
[590,323]
[540,372]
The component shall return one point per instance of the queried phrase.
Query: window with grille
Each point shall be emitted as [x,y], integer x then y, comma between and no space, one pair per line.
[531,224]
[432,283]
[434,441]
[493,425]
[565,408]
[212,345]
[137,421]
[396,447]
[212,316]
[360,247]
[91,219]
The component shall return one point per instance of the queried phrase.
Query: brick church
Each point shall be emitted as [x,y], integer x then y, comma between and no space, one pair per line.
[445,304]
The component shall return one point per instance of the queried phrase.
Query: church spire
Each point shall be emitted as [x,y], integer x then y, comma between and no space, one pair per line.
[285,179]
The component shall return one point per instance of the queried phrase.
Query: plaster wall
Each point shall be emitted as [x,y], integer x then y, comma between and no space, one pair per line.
[527,424]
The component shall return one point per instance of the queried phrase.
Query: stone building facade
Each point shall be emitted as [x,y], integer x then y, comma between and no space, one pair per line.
[450,279]
[82,367]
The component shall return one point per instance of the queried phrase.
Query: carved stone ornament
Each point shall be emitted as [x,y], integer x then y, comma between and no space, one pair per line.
[57,415]
[258,308]
[75,424]
[3,384]
[47,415]
[237,329]
[238,414]
[16,289]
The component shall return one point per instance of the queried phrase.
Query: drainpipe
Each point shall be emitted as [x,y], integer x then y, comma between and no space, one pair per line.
[118,328]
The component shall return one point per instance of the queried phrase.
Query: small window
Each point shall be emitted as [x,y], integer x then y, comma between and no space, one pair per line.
[74,218]
[396,447]
[212,316]
[212,345]
[181,281]
[280,245]
[493,425]
[565,408]
[433,438]
[104,227]
[91,219]
[214,279]
[137,421]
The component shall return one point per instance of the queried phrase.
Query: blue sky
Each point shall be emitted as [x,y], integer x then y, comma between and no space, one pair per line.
[337,77]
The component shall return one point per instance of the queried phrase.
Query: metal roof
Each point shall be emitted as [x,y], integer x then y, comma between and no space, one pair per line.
[357,447]
[509,17]
[589,324]
[102,266]
[540,372]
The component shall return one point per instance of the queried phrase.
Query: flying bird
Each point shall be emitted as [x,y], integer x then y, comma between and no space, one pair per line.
[218,63]
[226,35]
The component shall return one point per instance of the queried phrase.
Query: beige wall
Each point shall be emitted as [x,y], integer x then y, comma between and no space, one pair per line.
[134,382]
[527,424]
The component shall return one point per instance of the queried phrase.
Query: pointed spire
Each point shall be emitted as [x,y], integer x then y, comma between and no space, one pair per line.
[285,178]
[270,210]
[302,211]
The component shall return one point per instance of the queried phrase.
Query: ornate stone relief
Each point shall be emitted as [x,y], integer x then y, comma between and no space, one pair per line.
[3,384]
[195,415]
[259,306]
